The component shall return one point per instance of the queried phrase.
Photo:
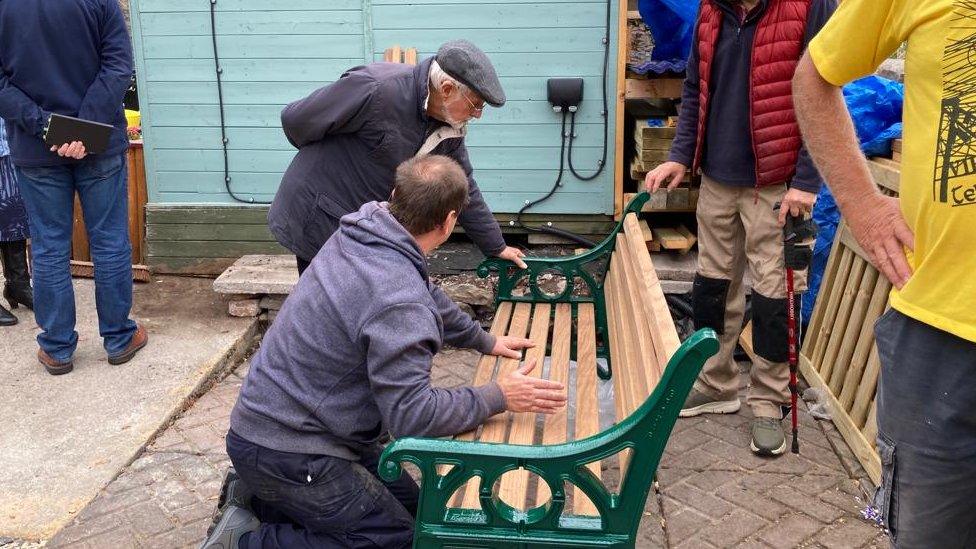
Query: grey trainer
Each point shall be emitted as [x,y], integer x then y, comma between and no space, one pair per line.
[699,403]
[236,522]
[768,437]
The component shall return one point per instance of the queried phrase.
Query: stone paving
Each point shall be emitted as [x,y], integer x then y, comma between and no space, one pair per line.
[712,492]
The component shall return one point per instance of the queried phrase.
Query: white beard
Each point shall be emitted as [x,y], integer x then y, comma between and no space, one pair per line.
[447,119]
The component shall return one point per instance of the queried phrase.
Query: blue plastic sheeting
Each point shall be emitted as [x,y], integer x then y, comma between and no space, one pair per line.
[672,23]
[875,105]
[659,67]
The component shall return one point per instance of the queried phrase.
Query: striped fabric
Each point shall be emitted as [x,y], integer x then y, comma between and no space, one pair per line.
[4,147]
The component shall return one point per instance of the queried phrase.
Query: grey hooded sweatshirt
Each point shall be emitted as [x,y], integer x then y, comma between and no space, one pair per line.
[348,358]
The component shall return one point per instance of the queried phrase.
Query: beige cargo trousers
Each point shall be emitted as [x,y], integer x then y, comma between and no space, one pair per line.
[738,229]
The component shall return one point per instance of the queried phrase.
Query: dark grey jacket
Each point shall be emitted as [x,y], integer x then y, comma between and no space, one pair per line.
[351,136]
[349,355]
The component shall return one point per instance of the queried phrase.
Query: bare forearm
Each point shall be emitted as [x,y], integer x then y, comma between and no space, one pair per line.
[830,137]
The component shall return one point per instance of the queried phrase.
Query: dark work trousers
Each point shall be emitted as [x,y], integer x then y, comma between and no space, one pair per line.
[322,501]
[926,434]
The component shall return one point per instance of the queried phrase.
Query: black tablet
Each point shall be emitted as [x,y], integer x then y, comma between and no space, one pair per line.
[63,129]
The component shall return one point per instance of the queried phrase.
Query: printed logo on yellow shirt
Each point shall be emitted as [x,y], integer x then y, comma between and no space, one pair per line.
[955,164]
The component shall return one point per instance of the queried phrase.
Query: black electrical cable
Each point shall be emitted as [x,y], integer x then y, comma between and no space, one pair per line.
[606,112]
[220,101]
[559,177]
[563,153]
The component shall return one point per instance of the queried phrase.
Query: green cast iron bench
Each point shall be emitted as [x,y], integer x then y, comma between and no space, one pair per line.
[526,480]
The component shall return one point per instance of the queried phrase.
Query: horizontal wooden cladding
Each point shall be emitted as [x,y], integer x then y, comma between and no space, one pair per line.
[493,41]
[273,139]
[288,69]
[496,181]
[269,116]
[173,6]
[513,158]
[251,22]
[261,46]
[486,15]
[517,88]
[597,202]
[205,240]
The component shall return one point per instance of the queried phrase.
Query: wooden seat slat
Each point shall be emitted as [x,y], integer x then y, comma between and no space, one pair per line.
[496,428]
[555,428]
[587,409]
[514,486]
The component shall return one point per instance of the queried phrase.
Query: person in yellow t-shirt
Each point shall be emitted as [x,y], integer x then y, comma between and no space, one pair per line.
[923,242]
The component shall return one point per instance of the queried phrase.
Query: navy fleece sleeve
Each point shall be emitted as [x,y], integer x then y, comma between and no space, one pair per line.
[340,107]
[104,95]
[807,177]
[477,219]
[686,136]
[20,109]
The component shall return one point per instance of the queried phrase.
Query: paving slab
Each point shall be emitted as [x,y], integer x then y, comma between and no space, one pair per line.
[259,274]
[62,439]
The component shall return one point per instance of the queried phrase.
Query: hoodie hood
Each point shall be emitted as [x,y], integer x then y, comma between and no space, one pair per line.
[373,230]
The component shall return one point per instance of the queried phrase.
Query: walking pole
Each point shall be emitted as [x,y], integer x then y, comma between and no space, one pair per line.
[792,334]
[797,254]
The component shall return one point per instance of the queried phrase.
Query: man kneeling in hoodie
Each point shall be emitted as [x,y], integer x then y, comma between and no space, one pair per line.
[348,360]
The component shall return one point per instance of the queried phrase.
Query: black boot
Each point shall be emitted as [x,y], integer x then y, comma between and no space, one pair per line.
[18,289]
[6,319]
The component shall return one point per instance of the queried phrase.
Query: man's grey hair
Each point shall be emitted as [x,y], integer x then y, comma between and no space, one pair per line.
[438,77]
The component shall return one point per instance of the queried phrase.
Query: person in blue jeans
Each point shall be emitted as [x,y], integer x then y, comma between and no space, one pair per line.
[77,62]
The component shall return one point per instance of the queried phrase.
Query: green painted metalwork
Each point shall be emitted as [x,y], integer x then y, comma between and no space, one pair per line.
[571,268]
[497,525]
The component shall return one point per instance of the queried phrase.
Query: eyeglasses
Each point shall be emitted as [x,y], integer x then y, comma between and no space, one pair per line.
[474,107]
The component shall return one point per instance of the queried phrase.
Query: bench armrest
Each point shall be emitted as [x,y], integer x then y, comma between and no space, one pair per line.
[645,432]
[570,267]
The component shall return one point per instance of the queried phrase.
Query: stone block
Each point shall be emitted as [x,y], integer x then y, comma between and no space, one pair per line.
[259,275]
[244,307]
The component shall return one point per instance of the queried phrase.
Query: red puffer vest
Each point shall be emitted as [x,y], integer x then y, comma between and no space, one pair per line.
[776,52]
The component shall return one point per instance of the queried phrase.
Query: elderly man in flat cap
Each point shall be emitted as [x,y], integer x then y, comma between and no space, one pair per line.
[352,134]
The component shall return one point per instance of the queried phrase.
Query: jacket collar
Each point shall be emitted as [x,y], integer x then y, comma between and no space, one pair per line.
[421,76]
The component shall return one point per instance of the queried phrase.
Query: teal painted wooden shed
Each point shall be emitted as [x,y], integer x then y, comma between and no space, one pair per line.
[274,52]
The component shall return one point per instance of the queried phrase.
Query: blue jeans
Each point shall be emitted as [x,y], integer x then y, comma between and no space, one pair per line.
[322,501]
[49,193]
[926,434]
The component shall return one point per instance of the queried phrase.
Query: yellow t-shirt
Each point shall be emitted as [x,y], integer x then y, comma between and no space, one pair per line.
[938,169]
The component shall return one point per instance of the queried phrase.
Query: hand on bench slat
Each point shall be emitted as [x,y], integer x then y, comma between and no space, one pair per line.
[511,347]
[524,393]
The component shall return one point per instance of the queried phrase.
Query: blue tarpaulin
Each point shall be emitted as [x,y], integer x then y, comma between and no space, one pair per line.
[875,105]
[672,22]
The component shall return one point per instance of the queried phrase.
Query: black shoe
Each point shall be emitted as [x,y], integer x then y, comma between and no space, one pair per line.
[233,493]
[6,319]
[18,290]
[236,522]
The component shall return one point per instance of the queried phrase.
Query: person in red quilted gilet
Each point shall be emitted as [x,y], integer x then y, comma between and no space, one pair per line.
[738,129]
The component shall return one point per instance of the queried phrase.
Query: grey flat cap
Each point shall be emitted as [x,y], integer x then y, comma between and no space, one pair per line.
[470,66]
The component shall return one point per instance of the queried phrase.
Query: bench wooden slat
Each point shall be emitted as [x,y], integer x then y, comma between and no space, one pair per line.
[644,370]
[485,370]
[587,409]
[496,428]
[663,332]
[514,485]
[555,429]
[615,289]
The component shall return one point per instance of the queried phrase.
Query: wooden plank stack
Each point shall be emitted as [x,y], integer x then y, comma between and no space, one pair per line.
[653,145]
